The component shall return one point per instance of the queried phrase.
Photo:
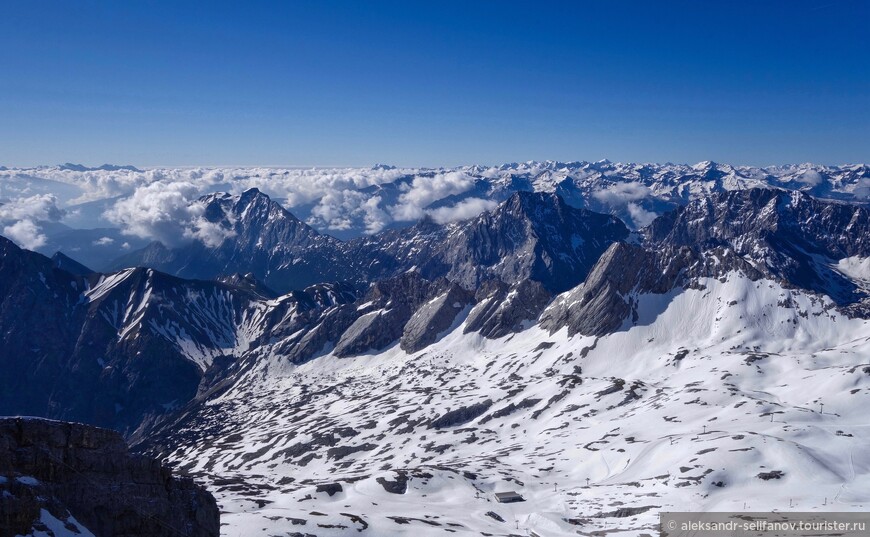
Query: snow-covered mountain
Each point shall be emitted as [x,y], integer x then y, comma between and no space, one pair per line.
[96,215]
[714,359]
[716,399]
[266,240]
[530,236]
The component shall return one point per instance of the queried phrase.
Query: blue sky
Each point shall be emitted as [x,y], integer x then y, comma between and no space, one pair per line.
[433,83]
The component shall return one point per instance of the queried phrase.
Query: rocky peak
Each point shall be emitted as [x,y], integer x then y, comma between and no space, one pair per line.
[64,262]
[832,228]
[530,205]
[502,309]
[533,236]
[602,303]
[434,317]
[256,219]
[786,236]
[381,315]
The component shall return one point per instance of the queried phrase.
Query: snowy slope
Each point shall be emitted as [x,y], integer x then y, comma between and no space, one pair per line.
[700,404]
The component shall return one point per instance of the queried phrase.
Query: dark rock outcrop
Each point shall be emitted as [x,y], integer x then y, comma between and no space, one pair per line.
[788,237]
[433,318]
[502,309]
[385,310]
[64,262]
[785,236]
[531,235]
[461,415]
[248,281]
[85,477]
[601,304]
[261,237]
[103,349]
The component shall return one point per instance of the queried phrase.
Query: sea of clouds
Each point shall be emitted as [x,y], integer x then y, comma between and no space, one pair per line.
[162,203]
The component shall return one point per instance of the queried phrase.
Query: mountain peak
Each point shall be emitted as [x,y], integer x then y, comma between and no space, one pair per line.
[64,262]
[252,193]
[253,196]
[529,203]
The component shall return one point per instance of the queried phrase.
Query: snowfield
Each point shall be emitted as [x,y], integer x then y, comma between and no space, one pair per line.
[735,395]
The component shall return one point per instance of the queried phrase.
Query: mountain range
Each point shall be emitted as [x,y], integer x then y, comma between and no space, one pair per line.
[102,214]
[397,379]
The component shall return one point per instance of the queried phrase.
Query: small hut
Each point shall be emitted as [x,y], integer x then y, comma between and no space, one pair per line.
[509,497]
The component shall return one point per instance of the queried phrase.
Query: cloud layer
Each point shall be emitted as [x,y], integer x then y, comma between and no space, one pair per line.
[160,204]
[22,219]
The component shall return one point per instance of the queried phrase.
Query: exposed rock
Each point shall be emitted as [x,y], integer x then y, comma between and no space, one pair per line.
[461,415]
[601,304]
[261,237]
[767,476]
[330,488]
[107,350]
[433,318]
[64,262]
[397,486]
[384,311]
[788,237]
[625,512]
[502,309]
[531,236]
[74,470]
[248,281]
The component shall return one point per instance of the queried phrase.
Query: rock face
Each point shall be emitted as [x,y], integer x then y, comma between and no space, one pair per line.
[64,262]
[261,237]
[502,309]
[124,350]
[384,310]
[85,478]
[785,236]
[433,318]
[530,236]
[109,349]
[601,304]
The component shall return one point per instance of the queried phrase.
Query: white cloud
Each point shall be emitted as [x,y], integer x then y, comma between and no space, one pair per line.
[157,211]
[640,216]
[21,217]
[212,234]
[303,187]
[425,190]
[465,209]
[138,211]
[104,241]
[375,218]
[620,193]
[810,177]
[340,210]
[26,234]
[41,207]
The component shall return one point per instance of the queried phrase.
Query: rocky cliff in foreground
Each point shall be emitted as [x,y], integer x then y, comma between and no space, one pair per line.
[59,478]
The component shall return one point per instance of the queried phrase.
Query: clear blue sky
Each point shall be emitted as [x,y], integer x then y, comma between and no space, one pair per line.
[433,83]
